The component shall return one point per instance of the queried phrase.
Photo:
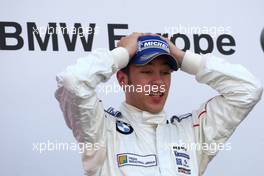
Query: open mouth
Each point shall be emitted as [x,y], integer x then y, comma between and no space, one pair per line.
[156,94]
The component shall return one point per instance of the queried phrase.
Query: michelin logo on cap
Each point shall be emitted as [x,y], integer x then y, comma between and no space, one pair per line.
[153,44]
[151,47]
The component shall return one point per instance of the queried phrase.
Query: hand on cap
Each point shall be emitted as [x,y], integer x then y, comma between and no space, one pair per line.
[175,52]
[130,43]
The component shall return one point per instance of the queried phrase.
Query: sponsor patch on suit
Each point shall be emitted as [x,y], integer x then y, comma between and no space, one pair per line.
[131,159]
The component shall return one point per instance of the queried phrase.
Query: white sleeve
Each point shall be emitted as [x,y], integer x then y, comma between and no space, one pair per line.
[82,110]
[215,121]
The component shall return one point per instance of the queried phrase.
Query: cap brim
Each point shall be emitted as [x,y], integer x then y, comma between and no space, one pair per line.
[171,60]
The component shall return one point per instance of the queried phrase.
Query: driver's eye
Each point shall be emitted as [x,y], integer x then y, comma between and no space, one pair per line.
[166,72]
[146,71]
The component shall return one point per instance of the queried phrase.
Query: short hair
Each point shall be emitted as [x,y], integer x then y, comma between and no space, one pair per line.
[126,69]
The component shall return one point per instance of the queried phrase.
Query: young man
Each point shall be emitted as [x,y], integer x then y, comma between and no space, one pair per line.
[139,139]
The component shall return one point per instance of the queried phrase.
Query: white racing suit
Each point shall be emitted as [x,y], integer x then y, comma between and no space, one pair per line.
[131,142]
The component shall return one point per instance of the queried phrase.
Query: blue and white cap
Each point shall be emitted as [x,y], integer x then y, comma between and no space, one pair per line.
[149,48]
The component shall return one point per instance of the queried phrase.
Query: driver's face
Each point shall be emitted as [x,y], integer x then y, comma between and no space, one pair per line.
[154,79]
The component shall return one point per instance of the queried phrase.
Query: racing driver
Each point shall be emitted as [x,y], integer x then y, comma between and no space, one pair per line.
[139,139]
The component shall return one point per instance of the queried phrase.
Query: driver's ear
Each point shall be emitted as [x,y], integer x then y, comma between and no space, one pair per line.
[122,78]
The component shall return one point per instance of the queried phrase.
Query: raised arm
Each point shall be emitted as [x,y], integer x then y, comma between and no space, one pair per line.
[82,110]
[215,121]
